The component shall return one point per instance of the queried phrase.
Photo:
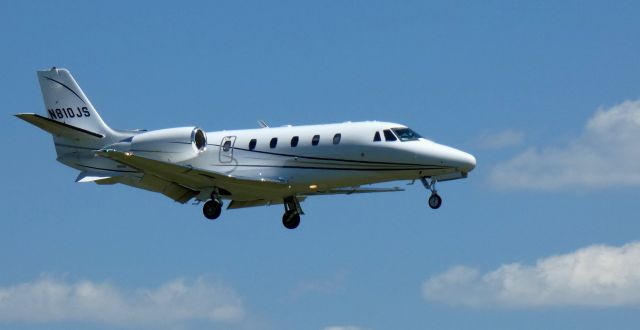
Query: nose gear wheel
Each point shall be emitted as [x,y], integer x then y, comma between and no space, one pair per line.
[435,201]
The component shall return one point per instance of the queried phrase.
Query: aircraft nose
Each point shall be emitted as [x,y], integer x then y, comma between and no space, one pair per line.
[467,161]
[448,156]
[464,161]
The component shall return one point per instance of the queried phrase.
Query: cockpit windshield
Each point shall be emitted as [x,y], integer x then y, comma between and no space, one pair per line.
[406,134]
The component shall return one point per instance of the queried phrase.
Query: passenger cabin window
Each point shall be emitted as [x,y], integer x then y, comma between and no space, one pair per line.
[406,134]
[273,143]
[388,136]
[294,141]
[226,146]
[252,144]
[315,140]
[376,138]
[336,138]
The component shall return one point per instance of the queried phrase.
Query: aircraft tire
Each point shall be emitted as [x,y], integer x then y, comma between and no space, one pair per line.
[435,201]
[212,210]
[291,219]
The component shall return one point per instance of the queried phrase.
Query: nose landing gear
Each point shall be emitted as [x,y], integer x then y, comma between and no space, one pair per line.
[435,201]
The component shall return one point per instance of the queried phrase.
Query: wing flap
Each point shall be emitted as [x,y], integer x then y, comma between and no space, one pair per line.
[354,190]
[172,190]
[258,202]
[236,204]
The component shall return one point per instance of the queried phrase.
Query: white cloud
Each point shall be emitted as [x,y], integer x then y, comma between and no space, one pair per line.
[342,327]
[595,276]
[606,154]
[327,285]
[500,140]
[50,299]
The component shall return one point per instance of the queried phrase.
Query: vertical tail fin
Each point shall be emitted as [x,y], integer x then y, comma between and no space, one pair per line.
[76,127]
[66,103]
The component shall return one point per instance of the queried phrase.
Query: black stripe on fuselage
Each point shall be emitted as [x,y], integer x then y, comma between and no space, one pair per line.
[308,157]
[340,168]
[325,158]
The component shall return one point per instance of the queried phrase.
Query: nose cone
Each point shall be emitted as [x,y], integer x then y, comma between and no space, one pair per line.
[434,153]
[466,160]
[453,157]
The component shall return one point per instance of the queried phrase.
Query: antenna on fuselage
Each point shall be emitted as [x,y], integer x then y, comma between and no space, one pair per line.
[262,123]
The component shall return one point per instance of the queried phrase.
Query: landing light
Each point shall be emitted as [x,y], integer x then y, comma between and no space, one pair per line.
[128,154]
[313,186]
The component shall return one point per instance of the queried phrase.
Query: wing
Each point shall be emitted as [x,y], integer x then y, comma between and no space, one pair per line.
[195,179]
[183,182]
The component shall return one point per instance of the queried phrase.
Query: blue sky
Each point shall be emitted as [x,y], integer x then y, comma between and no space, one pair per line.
[543,234]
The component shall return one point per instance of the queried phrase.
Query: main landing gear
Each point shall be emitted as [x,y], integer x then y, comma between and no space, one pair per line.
[290,219]
[292,212]
[213,207]
[435,201]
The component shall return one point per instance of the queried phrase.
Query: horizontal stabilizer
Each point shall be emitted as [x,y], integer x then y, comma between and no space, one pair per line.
[57,128]
[91,177]
[103,177]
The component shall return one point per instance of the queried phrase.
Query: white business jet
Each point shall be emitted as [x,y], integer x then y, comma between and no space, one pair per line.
[252,167]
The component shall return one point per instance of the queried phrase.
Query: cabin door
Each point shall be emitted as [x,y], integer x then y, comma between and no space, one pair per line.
[226,149]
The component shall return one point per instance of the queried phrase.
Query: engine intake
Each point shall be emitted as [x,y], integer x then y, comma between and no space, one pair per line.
[199,139]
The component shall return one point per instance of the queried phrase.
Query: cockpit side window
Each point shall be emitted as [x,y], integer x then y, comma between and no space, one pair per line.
[376,138]
[388,136]
[406,134]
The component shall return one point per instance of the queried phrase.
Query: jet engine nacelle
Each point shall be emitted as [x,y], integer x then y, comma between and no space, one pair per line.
[171,144]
